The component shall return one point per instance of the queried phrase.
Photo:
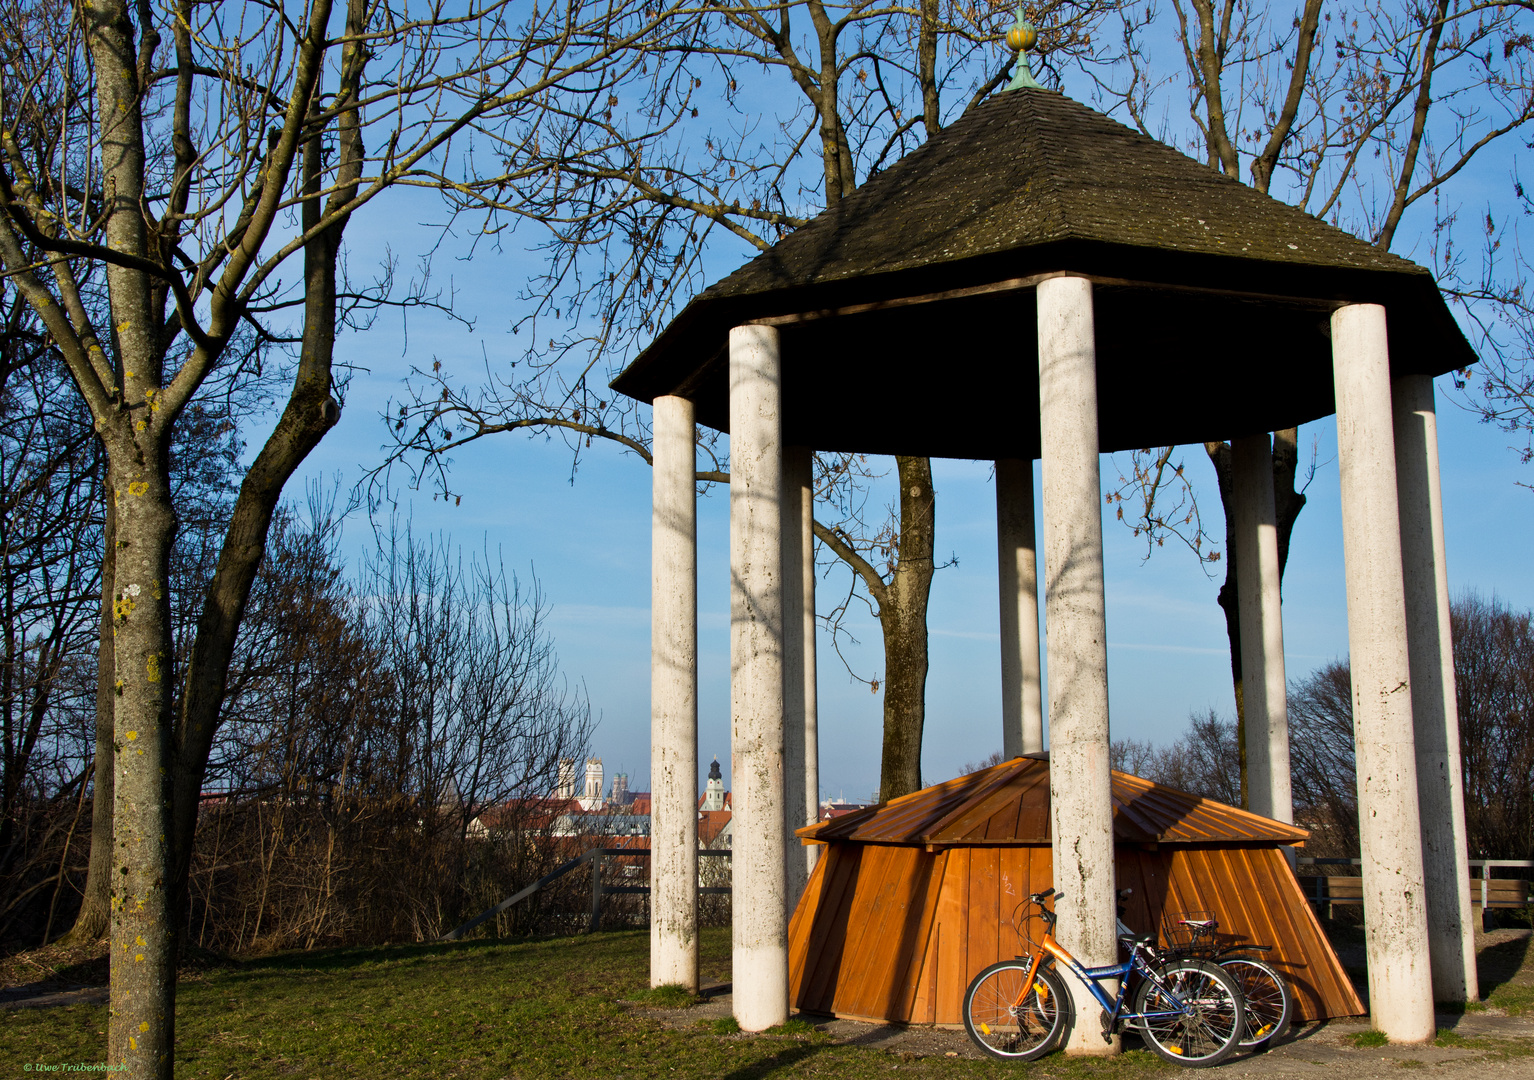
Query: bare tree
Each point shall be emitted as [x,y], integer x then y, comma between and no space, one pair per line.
[1494,681]
[52,538]
[1322,766]
[1203,761]
[50,519]
[204,160]
[1493,661]
[477,692]
[389,742]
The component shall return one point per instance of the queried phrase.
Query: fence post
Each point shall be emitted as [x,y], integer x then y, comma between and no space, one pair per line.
[596,892]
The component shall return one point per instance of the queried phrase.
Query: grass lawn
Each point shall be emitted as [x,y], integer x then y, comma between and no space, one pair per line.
[481,1010]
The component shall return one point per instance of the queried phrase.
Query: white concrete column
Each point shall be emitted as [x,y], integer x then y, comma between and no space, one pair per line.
[1262,628]
[759,933]
[1075,621]
[801,749]
[1022,706]
[1440,782]
[1390,831]
[674,699]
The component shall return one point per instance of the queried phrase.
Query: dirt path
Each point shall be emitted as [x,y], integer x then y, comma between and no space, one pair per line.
[1500,1046]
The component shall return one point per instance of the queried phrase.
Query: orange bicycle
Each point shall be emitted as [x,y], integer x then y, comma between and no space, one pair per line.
[1188,1011]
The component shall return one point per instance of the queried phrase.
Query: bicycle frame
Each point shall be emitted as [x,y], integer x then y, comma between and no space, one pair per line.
[1093,978]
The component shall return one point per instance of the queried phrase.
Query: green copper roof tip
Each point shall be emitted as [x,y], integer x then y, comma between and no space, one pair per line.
[1022,37]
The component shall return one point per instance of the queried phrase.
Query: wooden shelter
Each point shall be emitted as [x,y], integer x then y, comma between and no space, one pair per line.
[910,900]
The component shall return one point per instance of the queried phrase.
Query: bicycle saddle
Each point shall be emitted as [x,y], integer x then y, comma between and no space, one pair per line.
[1138,939]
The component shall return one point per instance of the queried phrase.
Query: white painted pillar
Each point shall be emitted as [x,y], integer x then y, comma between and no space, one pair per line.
[801,750]
[759,933]
[1022,707]
[1440,782]
[1262,628]
[1076,629]
[674,699]
[1390,831]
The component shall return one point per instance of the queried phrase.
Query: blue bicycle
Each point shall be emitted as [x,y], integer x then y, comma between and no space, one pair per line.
[1188,1011]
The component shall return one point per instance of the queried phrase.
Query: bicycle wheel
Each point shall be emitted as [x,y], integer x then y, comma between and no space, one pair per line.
[1194,1017]
[1011,1025]
[1266,997]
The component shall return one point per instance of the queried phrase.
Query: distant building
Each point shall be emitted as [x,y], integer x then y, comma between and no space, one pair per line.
[715,829]
[714,797]
[591,798]
[620,796]
[601,825]
[835,808]
[526,815]
[566,788]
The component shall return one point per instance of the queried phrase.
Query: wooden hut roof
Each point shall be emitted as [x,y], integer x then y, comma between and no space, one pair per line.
[1009,804]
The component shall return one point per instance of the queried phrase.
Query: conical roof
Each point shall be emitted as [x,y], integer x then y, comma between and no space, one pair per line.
[1009,804]
[934,259]
[1029,168]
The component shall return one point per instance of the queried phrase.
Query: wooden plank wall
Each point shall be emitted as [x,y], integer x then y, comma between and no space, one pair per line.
[1258,900]
[891,932]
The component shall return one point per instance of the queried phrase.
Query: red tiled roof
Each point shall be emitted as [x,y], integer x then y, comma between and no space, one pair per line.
[710,824]
[532,813]
[829,812]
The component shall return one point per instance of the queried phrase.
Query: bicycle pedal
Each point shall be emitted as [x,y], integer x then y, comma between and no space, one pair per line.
[1106,1020]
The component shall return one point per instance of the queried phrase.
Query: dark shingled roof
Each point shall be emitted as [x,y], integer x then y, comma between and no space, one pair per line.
[1009,804]
[1035,167]
[1031,182]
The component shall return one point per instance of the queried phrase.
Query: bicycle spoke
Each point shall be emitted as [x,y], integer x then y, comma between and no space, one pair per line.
[1194,1017]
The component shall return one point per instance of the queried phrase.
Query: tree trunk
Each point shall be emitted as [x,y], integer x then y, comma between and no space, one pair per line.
[903,618]
[95,907]
[1288,504]
[1219,455]
[143,937]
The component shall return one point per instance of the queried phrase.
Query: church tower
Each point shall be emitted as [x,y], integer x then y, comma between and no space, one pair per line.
[713,798]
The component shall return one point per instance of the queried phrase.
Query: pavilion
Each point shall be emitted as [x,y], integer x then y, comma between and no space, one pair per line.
[1039,281]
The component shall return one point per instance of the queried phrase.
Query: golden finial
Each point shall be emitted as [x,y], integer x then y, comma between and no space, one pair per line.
[1022,37]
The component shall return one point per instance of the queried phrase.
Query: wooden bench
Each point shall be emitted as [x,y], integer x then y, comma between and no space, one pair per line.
[1485,893]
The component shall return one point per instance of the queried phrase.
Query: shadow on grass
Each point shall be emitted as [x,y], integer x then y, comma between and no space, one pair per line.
[1499,964]
[781,1059]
